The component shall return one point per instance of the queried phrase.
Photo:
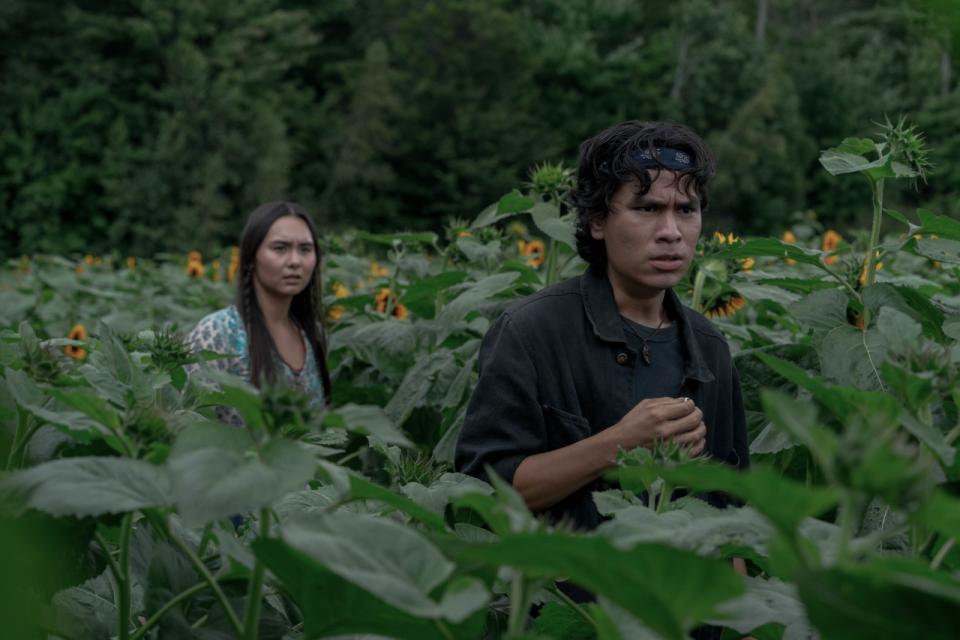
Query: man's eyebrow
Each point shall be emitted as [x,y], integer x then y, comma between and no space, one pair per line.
[647,199]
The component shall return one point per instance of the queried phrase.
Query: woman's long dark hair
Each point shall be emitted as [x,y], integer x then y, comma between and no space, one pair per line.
[305,309]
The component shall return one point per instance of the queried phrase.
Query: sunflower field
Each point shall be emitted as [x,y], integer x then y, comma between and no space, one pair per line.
[127,511]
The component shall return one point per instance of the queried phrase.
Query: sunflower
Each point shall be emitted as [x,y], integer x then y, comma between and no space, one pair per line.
[464,234]
[196,269]
[378,271]
[725,305]
[78,332]
[131,263]
[719,237]
[215,265]
[790,238]
[747,263]
[194,256]
[831,240]
[535,249]
[89,259]
[340,291]
[335,312]
[383,300]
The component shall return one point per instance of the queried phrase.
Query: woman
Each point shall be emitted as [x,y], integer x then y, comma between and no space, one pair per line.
[273,326]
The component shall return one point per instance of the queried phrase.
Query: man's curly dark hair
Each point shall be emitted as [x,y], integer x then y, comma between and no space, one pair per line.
[609,159]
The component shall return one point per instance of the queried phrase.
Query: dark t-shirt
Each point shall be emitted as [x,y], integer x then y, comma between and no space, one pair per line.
[663,377]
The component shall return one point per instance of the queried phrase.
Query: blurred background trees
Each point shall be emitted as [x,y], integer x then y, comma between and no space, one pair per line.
[145,126]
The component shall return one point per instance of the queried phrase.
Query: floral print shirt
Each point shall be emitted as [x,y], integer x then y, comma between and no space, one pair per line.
[223,332]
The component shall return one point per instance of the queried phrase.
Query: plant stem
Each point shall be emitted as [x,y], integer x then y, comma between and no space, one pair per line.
[848,518]
[177,599]
[114,568]
[952,435]
[252,617]
[210,580]
[123,606]
[518,605]
[442,628]
[665,490]
[557,591]
[551,262]
[205,538]
[699,280]
[871,265]
[19,438]
[942,553]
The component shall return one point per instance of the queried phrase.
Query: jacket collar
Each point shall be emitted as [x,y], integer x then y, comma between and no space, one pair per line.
[605,320]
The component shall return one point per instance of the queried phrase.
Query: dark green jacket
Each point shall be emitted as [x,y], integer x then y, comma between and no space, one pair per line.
[555,368]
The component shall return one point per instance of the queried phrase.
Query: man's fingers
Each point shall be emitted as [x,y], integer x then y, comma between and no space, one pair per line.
[698,448]
[673,410]
[691,436]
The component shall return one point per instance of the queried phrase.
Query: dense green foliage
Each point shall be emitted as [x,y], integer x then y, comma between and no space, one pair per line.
[145,126]
[120,491]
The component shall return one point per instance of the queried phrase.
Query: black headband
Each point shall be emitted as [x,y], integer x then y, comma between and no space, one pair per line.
[665,157]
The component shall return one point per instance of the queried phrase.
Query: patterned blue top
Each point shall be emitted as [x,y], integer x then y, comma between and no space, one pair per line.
[223,332]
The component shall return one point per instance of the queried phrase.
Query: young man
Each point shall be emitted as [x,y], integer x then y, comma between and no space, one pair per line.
[610,359]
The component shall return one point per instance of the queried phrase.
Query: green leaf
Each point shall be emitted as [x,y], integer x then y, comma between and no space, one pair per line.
[366,420]
[853,357]
[90,405]
[766,602]
[476,251]
[236,393]
[546,216]
[363,489]
[213,483]
[858,146]
[821,311]
[390,239]
[880,601]
[901,333]
[799,419]
[689,524]
[504,510]
[444,490]
[87,486]
[478,292]
[943,226]
[774,248]
[89,609]
[912,302]
[514,202]
[23,389]
[354,609]
[785,502]
[421,296]
[668,606]
[941,512]
[941,249]
[417,384]
[838,162]
[381,556]
[561,622]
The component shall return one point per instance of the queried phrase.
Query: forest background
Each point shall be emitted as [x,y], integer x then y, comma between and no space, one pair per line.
[146,126]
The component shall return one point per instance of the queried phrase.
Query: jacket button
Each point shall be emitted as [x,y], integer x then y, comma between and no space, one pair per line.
[622,358]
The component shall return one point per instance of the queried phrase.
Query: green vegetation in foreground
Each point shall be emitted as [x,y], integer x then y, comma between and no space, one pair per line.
[119,486]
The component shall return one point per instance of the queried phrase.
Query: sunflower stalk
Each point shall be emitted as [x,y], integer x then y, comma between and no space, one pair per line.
[701,278]
[871,266]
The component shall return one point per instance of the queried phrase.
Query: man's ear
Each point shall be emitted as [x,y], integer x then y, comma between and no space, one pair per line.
[597,226]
